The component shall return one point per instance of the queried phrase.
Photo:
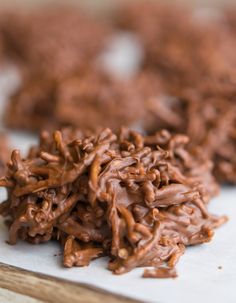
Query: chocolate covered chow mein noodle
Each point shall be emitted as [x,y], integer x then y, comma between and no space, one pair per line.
[138,199]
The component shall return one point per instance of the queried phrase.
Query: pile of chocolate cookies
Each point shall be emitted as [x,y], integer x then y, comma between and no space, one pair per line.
[187,76]
[138,197]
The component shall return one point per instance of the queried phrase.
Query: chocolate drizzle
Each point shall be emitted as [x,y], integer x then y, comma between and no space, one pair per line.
[137,199]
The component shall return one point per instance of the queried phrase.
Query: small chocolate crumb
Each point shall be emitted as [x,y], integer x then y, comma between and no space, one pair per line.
[159,273]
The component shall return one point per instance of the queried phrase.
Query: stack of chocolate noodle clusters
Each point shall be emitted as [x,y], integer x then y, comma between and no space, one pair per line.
[94,183]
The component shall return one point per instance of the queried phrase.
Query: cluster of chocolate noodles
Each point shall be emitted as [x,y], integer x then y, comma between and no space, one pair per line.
[184,46]
[54,42]
[211,123]
[137,199]
[48,45]
[205,113]
[86,101]
[193,53]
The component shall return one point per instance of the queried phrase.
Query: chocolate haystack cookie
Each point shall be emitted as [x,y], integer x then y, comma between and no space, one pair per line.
[32,106]
[97,100]
[205,113]
[182,45]
[53,42]
[211,123]
[192,51]
[89,101]
[138,199]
